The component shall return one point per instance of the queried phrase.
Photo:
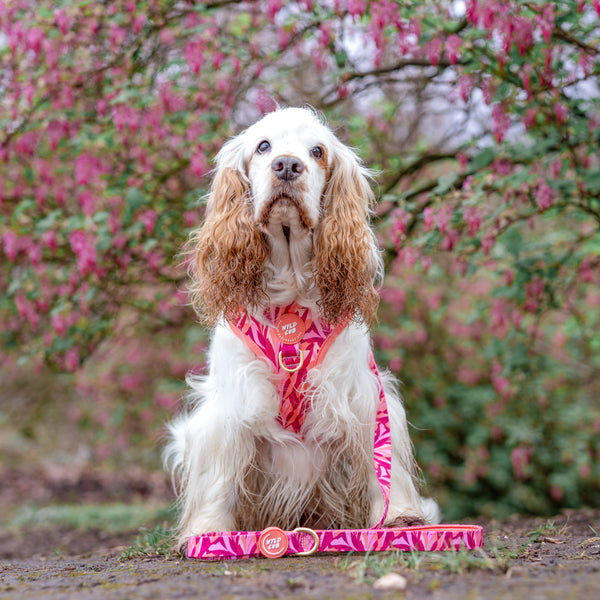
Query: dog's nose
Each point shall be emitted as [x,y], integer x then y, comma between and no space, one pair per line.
[287,167]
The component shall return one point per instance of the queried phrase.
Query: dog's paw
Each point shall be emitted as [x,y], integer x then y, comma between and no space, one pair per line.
[405,521]
[182,547]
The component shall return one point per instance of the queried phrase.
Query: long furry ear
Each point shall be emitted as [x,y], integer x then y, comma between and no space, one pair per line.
[346,260]
[228,252]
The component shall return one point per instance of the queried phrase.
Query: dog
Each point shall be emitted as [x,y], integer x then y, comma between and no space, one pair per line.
[268,439]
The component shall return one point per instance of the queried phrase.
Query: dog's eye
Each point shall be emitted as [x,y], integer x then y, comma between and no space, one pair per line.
[263,147]
[317,152]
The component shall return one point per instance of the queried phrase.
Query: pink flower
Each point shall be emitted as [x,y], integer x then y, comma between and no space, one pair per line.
[63,21]
[520,31]
[426,263]
[487,242]
[428,218]
[501,384]
[356,8]
[556,167]
[433,49]
[148,219]
[472,217]
[60,324]
[34,252]
[530,117]
[194,53]
[556,493]
[443,218]
[34,39]
[10,241]
[198,163]
[521,458]
[27,310]
[117,35]
[87,201]
[49,240]
[561,112]
[84,250]
[545,21]
[544,196]
[449,240]
[273,7]
[411,255]
[453,45]
[400,220]
[138,23]
[500,122]
[534,291]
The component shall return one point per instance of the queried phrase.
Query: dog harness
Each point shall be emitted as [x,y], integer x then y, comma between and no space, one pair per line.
[292,342]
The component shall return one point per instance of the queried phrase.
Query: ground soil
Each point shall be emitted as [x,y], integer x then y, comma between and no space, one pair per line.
[524,557]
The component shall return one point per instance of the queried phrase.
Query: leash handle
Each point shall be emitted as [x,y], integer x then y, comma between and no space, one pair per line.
[274,542]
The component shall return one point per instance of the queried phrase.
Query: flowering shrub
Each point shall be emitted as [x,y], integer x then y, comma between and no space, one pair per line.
[483,119]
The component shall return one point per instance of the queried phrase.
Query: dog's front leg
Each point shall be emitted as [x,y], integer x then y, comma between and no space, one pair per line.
[213,444]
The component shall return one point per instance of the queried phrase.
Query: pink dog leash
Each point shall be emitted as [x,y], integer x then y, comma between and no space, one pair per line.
[274,542]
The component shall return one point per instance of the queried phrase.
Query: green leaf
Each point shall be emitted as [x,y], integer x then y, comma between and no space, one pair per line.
[45,12]
[445,183]
[134,199]
[592,181]
[22,207]
[483,159]
[48,221]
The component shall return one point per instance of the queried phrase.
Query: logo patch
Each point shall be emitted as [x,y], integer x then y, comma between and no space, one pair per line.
[290,328]
[273,542]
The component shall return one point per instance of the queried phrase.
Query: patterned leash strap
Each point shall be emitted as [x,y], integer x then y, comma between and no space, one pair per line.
[274,542]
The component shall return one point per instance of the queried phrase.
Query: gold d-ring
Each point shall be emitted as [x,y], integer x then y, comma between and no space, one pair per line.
[295,368]
[314,536]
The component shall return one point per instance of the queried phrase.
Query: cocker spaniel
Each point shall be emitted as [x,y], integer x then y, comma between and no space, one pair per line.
[288,428]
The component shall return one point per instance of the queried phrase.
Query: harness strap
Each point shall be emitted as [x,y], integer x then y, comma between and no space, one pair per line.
[274,542]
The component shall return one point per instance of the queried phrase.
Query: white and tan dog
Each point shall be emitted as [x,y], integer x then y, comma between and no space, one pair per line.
[287,222]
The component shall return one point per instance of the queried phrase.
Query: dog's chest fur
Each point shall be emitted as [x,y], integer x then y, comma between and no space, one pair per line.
[311,484]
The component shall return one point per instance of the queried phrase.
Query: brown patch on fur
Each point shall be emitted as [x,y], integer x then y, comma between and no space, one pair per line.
[338,499]
[228,253]
[344,264]
[305,221]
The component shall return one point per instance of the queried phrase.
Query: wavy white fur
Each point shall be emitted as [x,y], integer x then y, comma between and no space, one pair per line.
[272,237]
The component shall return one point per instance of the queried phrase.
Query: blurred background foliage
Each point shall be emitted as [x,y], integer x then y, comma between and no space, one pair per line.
[481,121]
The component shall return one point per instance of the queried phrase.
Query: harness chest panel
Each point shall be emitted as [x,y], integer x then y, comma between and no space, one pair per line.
[293,343]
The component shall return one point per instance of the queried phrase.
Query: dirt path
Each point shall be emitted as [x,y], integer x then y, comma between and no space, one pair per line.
[529,558]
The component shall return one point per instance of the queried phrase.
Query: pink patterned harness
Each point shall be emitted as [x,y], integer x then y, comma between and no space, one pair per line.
[293,343]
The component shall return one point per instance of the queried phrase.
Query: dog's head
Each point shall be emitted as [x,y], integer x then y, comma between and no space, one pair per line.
[285,178]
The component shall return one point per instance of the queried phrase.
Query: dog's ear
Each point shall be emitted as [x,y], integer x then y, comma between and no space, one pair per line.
[346,260]
[228,252]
